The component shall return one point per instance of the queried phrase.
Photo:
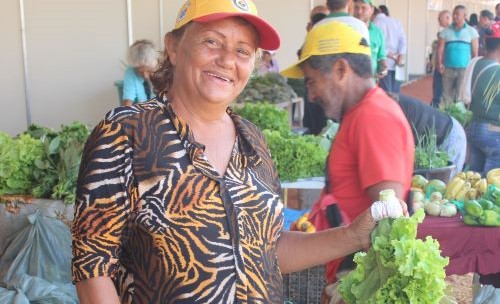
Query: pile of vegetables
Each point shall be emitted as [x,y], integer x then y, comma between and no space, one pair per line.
[398,268]
[271,87]
[459,112]
[42,162]
[295,156]
[427,154]
[484,211]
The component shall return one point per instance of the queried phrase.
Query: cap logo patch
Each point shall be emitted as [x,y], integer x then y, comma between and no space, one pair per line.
[242,5]
[183,11]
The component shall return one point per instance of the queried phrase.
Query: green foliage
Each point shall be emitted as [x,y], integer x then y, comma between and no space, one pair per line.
[427,154]
[459,112]
[43,162]
[398,268]
[270,87]
[17,160]
[296,156]
[265,116]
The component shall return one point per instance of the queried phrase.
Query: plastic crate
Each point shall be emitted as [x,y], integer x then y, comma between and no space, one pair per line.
[304,287]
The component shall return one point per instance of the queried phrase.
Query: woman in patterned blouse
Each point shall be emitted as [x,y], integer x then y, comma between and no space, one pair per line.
[178,200]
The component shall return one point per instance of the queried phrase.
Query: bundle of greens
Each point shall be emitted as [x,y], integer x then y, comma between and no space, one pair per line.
[17,160]
[271,87]
[57,172]
[459,112]
[42,162]
[296,156]
[398,268]
[427,154]
[265,116]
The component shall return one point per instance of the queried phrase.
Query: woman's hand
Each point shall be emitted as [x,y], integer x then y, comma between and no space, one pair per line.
[362,227]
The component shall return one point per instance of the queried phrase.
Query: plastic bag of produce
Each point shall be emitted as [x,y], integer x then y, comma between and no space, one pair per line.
[36,263]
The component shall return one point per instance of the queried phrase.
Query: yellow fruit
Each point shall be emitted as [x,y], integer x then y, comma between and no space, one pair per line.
[472,194]
[476,176]
[481,186]
[493,177]
[461,175]
[470,175]
[311,229]
[305,225]
[463,191]
[300,221]
[453,187]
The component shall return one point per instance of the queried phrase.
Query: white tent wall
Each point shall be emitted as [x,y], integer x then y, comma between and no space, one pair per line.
[75,49]
[12,101]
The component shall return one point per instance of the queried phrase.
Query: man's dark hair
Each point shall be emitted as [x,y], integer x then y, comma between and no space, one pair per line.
[317,18]
[492,44]
[361,64]
[459,7]
[384,9]
[487,14]
[335,5]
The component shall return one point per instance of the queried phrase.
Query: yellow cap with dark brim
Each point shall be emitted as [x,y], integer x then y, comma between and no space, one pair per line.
[211,10]
[328,39]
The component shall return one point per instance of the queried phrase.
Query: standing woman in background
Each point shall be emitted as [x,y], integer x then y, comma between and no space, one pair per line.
[142,59]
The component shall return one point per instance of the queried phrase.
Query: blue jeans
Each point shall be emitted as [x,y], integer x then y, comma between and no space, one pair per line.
[484,143]
[437,88]
[389,83]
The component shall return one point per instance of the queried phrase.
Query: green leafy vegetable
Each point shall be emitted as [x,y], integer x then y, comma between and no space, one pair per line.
[271,87]
[265,116]
[398,268]
[459,112]
[17,160]
[296,156]
[427,154]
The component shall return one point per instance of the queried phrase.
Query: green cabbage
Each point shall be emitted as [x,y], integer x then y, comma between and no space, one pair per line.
[398,268]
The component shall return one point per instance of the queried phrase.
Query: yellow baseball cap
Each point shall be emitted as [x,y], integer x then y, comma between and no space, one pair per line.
[329,38]
[212,10]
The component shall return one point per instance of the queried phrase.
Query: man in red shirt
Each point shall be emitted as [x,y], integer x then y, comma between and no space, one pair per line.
[374,148]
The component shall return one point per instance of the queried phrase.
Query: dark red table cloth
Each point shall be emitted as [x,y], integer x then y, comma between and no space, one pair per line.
[470,248]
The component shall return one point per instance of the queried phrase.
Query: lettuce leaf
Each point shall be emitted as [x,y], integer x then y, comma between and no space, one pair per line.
[398,268]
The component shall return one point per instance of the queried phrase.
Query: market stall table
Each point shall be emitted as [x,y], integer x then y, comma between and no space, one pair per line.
[470,248]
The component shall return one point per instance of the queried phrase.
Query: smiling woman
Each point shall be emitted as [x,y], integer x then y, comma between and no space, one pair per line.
[178,200]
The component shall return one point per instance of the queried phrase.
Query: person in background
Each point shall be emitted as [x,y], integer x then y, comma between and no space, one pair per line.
[457,44]
[444,20]
[339,11]
[178,200]
[483,133]
[314,117]
[497,12]
[142,59]
[317,14]
[395,46]
[374,147]
[267,63]
[473,21]
[486,19]
[450,135]
[363,10]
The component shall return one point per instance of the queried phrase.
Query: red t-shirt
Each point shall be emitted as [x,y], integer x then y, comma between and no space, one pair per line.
[374,144]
